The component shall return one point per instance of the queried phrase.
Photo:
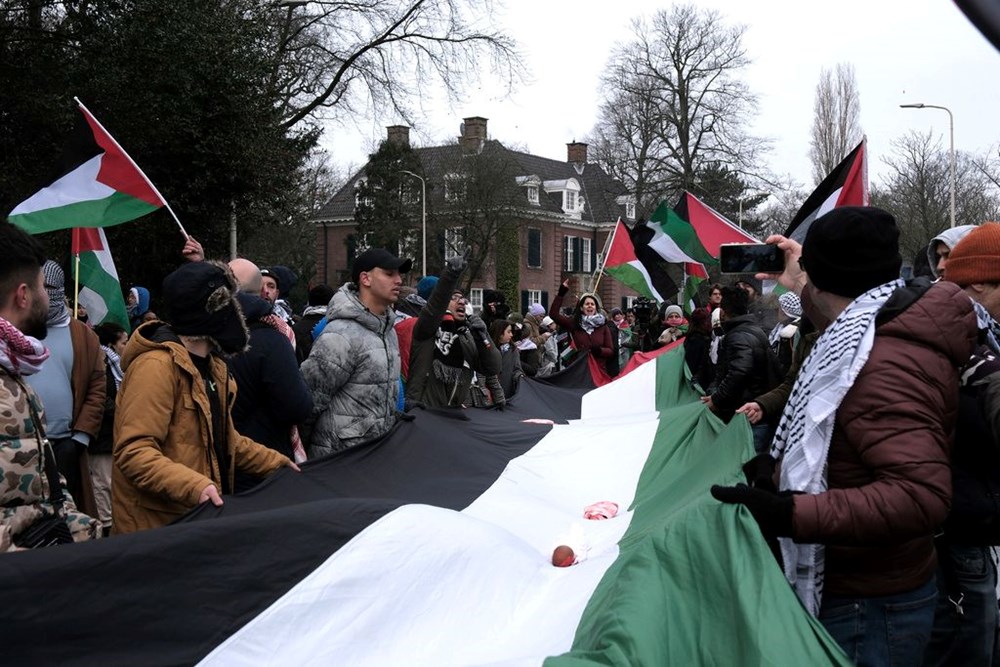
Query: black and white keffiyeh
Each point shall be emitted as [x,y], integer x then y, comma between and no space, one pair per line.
[802,441]
[988,326]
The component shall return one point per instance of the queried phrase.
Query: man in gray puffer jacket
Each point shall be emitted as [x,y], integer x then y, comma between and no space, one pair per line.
[353,369]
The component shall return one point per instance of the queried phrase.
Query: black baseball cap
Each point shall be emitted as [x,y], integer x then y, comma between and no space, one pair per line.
[378,258]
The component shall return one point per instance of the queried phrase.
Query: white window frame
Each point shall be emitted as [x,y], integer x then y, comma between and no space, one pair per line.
[533,194]
[407,244]
[454,244]
[630,301]
[630,210]
[534,296]
[362,243]
[454,187]
[568,262]
[585,261]
[569,201]
[475,299]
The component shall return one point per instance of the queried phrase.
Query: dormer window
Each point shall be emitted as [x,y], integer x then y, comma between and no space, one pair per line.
[569,201]
[533,194]
[630,210]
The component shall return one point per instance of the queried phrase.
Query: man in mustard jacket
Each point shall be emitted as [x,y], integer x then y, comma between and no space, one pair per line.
[175,443]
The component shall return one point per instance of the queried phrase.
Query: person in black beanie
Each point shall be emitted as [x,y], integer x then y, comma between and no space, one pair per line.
[864,438]
[175,443]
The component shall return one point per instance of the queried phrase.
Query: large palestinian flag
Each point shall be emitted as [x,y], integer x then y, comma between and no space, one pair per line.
[846,185]
[433,546]
[98,185]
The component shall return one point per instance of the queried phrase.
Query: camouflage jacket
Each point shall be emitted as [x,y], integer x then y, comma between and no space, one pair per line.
[24,487]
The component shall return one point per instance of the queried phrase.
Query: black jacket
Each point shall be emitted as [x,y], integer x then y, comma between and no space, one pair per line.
[745,367]
[272,395]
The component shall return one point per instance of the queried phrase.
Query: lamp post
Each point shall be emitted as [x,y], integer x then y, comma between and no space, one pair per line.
[423,215]
[951,149]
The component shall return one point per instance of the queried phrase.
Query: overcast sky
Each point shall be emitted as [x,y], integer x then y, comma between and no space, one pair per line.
[903,51]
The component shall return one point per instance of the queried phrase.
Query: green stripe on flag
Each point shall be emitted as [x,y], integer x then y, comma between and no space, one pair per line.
[727,601]
[634,275]
[93,275]
[113,210]
[681,234]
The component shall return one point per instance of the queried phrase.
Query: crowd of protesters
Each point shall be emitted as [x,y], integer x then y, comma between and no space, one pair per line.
[873,403]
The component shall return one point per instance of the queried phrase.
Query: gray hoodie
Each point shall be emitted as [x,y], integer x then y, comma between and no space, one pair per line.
[353,373]
[950,237]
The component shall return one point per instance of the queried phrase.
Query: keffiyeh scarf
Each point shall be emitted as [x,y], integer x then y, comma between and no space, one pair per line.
[802,441]
[20,354]
[115,364]
[988,326]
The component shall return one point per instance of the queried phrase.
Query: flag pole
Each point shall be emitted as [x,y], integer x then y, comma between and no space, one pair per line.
[132,162]
[604,255]
[76,285]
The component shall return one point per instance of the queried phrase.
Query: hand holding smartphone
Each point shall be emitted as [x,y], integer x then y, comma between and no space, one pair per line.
[751,258]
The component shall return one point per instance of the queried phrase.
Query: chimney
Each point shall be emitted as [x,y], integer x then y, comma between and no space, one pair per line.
[576,152]
[473,135]
[398,134]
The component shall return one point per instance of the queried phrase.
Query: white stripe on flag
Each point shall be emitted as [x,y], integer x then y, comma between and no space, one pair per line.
[641,268]
[429,586]
[77,186]
[609,401]
[668,249]
[97,309]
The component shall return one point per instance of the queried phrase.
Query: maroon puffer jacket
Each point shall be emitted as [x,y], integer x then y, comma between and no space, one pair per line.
[889,482]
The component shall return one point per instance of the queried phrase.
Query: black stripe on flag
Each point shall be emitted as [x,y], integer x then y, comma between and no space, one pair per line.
[641,235]
[834,181]
[170,596]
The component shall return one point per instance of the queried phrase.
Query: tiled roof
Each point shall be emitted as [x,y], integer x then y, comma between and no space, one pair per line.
[597,188]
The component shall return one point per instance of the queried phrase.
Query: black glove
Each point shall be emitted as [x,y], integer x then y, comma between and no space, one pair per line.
[772,512]
[410,404]
[759,472]
[478,327]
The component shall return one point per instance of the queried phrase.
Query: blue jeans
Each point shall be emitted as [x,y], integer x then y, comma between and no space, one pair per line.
[966,638]
[882,631]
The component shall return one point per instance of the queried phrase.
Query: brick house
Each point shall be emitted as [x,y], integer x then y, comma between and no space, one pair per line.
[568,211]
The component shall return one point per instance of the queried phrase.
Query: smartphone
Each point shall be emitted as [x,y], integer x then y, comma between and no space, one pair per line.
[751,258]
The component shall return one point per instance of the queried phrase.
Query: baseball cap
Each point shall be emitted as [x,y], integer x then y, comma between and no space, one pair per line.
[378,258]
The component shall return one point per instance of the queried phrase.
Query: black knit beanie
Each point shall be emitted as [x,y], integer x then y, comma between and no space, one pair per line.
[852,249]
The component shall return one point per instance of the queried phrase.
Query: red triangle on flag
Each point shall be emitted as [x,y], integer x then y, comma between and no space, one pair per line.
[713,230]
[117,169]
[86,239]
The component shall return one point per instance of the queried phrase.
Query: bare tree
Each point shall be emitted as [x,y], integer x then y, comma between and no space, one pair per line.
[337,58]
[917,190]
[675,103]
[837,119]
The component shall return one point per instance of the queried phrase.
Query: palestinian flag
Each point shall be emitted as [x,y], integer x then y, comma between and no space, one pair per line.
[621,264]
[433,546]
[694,276]
[846,185]
[100,289]
[712,228]
[98,186]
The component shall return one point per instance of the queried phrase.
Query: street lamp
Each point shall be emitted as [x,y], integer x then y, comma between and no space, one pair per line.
[423,214]
[951,151]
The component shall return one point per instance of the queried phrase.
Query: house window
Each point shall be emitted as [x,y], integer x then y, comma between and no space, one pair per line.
[534,296]
[569,256]
[569,201]
[534,248]
[454,187]
[408,245]
[364,242]
[476,299]
[454,244]
[533,195]
[629,301]
[585,256]
[630,210]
